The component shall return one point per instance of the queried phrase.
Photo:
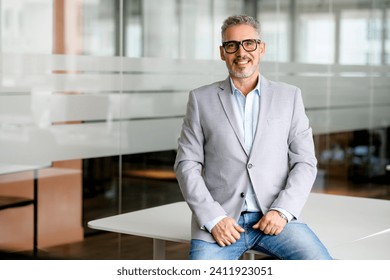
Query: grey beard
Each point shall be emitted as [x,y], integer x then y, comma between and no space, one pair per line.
[240,75]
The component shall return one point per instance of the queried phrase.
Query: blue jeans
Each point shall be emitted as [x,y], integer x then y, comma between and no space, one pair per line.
[295,242]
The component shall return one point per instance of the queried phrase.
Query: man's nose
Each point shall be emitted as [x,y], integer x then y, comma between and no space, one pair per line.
[240,50]
[241,53]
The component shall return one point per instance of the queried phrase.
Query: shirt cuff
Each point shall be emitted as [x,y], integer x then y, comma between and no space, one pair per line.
[209,226]
[285,212]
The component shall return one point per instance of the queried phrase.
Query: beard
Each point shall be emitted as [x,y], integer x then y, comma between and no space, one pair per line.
[244,72]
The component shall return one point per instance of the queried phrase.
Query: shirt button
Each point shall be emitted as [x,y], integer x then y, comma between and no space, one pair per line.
[242,194]
[250,165]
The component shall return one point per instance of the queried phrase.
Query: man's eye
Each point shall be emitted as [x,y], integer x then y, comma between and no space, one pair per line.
[231,45]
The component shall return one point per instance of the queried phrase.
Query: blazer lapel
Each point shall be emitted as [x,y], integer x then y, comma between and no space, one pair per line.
[227,100]
[266,94]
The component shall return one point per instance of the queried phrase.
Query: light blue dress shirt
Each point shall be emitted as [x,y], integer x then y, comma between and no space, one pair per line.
[247,112]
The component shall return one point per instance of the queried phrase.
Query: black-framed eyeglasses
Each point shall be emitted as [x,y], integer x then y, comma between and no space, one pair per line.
[249,45]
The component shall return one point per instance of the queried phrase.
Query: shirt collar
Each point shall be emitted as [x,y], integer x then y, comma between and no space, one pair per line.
[256,89]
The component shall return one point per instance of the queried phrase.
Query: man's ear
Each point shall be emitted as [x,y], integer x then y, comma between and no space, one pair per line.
[262,49]
[222,53]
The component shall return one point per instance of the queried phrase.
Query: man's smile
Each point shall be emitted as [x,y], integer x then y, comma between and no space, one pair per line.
[242,61]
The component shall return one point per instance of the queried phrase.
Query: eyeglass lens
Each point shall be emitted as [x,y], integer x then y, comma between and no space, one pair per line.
[249,45]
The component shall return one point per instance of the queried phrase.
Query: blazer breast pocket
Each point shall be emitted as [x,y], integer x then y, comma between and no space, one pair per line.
[278,126]
[278,122]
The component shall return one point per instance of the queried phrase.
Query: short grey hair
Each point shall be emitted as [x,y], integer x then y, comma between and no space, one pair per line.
[240,19]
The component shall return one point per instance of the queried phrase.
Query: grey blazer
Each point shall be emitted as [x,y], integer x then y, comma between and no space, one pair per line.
[214,170]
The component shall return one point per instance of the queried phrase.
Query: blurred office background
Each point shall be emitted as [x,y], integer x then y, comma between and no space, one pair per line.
[93,92]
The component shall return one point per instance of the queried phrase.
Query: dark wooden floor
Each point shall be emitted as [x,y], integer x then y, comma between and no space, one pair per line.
[99,245]
[113,246]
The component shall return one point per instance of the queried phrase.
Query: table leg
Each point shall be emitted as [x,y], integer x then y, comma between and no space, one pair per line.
[249,256]
[35,205]
[158,249]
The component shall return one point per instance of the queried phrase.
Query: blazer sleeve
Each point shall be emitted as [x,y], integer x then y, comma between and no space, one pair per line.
[189,165]
[302,161]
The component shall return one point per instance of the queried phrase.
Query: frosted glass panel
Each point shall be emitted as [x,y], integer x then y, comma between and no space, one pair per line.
[61,107]
[83,106]
[334,120]
[57,107]
[18,109]
[35,144]
[98,88]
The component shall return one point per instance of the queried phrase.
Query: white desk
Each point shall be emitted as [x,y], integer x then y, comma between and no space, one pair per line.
[362,249]
[339,221]
[17,168]
[171,222]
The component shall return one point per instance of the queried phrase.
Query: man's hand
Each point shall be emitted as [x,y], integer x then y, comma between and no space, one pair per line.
[271,223]
[226,232]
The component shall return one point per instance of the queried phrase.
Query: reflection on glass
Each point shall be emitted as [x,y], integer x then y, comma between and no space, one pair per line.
[316,39]
[276,34]
[133,28]
[98,19]
[26,26]
[387,37]
[364,45]
[195,29]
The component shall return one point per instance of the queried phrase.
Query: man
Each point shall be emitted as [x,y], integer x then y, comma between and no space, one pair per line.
[245,161]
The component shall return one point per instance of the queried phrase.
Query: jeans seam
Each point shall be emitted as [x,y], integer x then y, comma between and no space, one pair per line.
[267,251]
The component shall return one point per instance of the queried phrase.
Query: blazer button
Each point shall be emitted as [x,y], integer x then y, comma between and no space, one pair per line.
[242,194]
[250,165]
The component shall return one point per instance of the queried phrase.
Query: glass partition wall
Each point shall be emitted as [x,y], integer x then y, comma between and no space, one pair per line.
[93,92]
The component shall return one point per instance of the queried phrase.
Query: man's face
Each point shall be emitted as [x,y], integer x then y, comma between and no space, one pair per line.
[242,64]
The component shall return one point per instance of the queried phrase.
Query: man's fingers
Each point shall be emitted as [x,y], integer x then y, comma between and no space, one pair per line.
[278,231]
[257,225]
[226,241]
[238,228]
[268,229]
[226,232]
[270,224]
